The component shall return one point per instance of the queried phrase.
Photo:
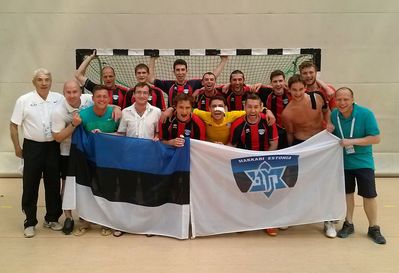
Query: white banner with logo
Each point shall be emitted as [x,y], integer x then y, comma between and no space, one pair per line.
[235,190]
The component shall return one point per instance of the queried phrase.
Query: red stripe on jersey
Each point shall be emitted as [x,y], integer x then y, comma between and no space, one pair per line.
[194,128]
[236,102]
[276,104]
[264,93]
[253,136]
[117,96]
[203,100]
[179,89]
[198,128]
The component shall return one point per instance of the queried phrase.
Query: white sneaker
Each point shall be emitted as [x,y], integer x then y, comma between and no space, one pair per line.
[53,225]
[329,229]
[29,232]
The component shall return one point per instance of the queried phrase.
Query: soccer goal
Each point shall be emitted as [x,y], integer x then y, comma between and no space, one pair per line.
[257,64]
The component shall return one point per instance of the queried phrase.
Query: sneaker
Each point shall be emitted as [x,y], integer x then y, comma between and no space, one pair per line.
[29,232]
[375,234]
[329,229]
[271,231]
[53,225]
[346,230]
[68,226]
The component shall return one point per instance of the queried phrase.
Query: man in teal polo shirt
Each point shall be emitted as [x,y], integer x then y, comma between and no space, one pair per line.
[98,118]
[358,130]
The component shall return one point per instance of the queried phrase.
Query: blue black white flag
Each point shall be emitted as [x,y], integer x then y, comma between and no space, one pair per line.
[129,184]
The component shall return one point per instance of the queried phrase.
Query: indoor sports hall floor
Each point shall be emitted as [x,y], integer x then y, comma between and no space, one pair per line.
[298,249]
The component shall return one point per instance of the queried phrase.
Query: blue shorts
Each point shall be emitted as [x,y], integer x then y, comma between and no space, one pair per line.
[365,180]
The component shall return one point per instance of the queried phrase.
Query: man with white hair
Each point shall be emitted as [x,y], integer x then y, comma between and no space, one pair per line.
[32,112]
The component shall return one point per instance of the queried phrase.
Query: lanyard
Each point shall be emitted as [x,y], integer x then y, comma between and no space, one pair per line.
[340,127]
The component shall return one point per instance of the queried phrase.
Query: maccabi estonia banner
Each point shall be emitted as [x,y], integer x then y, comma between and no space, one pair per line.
[239,190]
[145,187]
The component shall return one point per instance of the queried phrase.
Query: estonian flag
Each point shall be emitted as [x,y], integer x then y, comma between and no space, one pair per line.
[129,184]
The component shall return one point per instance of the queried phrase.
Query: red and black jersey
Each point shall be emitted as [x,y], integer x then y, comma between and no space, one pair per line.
[237,102]
[276,104]
[254,137]
[172,88]
[155,99]
[173,128]
[264,93]
[202,101]
[116,95]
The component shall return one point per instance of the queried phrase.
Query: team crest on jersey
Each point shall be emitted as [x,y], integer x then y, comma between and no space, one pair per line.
[187,132]
[261,132]
[265,173]
[115,97]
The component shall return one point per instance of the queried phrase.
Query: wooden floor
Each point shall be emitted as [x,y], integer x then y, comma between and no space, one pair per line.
[298,249]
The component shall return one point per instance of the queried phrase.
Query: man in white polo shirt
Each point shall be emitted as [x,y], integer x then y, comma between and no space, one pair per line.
[32,112]
[140,119]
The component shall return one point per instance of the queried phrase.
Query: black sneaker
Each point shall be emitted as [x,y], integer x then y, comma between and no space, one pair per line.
[375,234]
[346,230]
[68,226]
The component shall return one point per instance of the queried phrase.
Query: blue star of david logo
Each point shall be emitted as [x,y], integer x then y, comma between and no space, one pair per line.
[266,179]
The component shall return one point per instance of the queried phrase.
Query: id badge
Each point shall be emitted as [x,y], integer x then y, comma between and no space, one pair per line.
[350,149]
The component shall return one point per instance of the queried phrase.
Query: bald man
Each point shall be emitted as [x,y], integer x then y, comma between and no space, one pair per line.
[358,130]
[65,118]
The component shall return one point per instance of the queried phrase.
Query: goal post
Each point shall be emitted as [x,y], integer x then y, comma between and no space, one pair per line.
[256,64]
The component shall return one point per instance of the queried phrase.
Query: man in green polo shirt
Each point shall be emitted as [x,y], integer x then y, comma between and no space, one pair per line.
[358,130]
[98,118]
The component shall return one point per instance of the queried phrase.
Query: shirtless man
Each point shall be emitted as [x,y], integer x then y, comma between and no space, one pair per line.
[304,117]
[305,114]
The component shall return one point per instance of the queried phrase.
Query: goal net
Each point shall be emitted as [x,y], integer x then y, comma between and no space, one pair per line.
[255,64]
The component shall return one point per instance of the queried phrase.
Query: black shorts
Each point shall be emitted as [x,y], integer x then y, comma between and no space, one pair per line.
[365,180]
[64,159]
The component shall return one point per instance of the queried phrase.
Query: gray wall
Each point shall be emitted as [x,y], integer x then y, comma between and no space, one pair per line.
[358,41]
